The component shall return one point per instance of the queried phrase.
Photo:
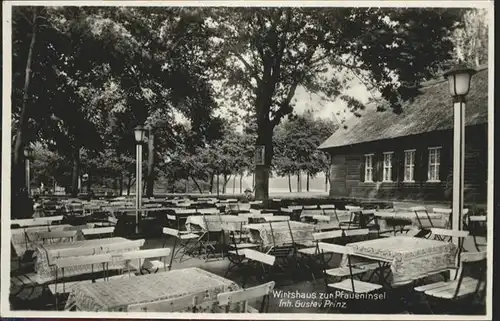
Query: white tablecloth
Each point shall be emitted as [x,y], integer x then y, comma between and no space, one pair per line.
[46,254]
[216,223]
[25,239]
[278,233]
[117,295]
[410,258]
[438,219]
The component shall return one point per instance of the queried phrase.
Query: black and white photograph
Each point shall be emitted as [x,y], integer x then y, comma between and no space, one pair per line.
[326,160]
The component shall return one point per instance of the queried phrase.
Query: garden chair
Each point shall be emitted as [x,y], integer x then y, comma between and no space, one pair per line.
[469,284]
[69,262]
[183,242]
[263,291]
[311,254]
[476,225]
[422,210]
[355,219]
[257,261]
[151,266]
[344,276]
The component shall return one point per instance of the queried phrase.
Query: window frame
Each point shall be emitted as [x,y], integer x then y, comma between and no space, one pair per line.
[389,167]
[370,156]
[411,166]
[436,164]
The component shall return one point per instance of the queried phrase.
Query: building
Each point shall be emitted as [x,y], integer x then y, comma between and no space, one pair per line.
[382,155]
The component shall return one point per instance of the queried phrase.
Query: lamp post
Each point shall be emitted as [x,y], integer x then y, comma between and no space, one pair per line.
[139,133]
[28,154]
[459,79]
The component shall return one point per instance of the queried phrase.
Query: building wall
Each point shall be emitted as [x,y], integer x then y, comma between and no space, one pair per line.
[347,173]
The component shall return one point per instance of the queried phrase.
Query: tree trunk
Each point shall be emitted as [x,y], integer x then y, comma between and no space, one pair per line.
[241,183]
[18,161]
[212,182]
[224,183]
[264,138]
[151,162]
[75,173]
[307,182]
[197,185]
[234,183]
[129,184]
[299,187]
[327,179]
[289,183]
[218,185]
[187,185]
[89,179]
[121,183]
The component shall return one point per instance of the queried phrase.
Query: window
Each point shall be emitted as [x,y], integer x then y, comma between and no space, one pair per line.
[434,161]
[409,165]
[369,168]
[388,167]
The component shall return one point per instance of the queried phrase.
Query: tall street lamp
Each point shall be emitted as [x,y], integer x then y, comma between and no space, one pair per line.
[28,155]
[459,79]
[139,133]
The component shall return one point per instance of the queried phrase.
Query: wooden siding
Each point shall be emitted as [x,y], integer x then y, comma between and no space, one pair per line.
[475,168]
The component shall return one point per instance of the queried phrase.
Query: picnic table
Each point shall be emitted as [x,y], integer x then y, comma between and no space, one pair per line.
[399,218]
[117,295]
[278,233]
[46,254]
[410,258]
[26,239]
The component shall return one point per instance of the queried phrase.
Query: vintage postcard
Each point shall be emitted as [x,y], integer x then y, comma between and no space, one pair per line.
[247,160]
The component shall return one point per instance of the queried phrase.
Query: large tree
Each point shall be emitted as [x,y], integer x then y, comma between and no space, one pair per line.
[84,77]
[272,51]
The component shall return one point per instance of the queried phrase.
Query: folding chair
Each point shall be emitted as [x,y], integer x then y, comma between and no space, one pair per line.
[476,224]
[311,254]
[295,212]
[207,244]
[238,236]
[421,209]
[185,303]
[68,262]
[148,266]
[355,219]
[469,284]
[182,242]
[329,209]
[283,251]
[346,275]
[263,291]
[324,223]
[255,259]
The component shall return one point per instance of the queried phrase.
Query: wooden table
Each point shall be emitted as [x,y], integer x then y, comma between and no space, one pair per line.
[117,295]
[399,218]
[27,238]
[216,223]
[46,254]
[410,258]
[278,233]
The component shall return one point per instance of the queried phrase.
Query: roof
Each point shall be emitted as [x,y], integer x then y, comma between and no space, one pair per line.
[431,110]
